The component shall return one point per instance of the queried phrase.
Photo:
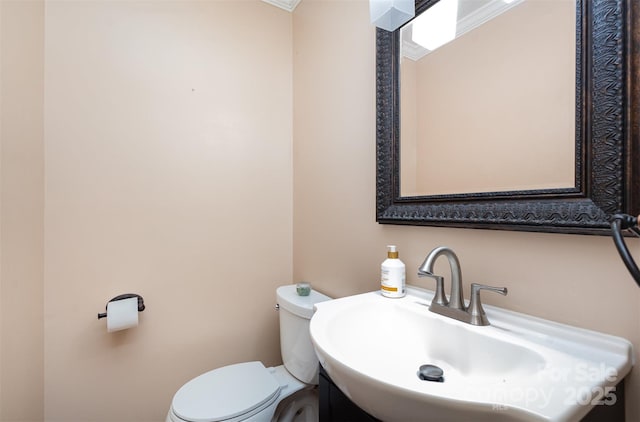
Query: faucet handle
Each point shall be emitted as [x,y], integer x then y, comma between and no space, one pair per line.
[478,316]
[440,298]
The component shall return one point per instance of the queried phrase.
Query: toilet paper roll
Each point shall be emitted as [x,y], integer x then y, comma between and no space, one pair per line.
[122,314]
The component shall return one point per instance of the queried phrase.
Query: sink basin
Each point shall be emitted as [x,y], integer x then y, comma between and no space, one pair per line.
[518,368]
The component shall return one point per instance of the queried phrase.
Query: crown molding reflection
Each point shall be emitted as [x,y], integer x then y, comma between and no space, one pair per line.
[472,14]
[288,5]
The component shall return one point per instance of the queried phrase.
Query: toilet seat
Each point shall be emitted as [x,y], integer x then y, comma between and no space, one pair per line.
[225,393]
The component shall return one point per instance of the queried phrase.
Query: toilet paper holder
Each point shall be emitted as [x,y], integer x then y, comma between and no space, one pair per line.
[141,306]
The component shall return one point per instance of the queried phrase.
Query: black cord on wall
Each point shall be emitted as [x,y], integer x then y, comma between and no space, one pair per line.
[618,223]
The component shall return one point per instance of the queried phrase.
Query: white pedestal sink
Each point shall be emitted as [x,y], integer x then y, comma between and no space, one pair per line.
[520,368]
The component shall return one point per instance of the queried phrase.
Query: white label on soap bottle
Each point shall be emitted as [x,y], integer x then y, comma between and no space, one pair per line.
[393,281]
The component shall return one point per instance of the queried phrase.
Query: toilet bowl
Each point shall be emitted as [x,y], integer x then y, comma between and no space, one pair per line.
[299,407]
[249,391]
[243,392]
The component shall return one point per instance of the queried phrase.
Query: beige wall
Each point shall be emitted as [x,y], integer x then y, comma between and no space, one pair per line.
[21,209]
[338,246]
[168,135]
[167,138]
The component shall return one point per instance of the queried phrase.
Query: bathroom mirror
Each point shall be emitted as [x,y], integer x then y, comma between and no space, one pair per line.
[602,140]
[494,61]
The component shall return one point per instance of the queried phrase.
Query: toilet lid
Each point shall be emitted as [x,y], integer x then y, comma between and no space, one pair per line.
[225,393]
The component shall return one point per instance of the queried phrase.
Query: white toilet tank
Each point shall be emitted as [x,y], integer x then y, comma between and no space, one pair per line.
[297,351]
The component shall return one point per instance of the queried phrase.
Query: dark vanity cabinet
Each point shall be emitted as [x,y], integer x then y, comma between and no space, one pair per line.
[335,406]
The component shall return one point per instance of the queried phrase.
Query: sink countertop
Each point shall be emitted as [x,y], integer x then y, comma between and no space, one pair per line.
[519,368]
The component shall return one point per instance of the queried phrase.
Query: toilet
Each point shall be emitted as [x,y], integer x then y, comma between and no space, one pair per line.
[249,391]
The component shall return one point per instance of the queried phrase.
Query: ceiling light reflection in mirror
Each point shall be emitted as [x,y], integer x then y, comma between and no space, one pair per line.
[448,19]
[493,109]
[436,26]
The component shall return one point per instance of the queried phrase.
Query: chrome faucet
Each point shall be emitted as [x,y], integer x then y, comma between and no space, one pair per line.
[454,307]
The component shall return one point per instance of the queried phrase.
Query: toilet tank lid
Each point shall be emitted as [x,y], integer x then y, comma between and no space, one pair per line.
[225,393]
[302,306]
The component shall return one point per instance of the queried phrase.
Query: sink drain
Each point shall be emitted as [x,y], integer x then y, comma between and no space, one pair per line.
[431,373]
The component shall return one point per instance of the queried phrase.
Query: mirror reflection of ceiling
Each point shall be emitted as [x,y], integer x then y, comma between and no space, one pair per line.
[446,21]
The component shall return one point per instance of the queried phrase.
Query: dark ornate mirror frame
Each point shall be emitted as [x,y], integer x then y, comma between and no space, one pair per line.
[607,139]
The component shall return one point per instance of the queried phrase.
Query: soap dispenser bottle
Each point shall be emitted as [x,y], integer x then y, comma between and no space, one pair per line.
[392,274]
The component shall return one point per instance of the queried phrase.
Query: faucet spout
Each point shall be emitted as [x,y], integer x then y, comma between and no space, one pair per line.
[456,300]
[455,307]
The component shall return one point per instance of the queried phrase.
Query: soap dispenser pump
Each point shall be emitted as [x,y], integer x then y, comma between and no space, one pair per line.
[392,274]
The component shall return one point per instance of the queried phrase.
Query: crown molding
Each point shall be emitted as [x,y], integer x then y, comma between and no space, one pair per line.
[483,13]
[287,5]
[413,51]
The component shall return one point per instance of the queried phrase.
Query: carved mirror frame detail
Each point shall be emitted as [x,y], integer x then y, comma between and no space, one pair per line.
[607,129]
